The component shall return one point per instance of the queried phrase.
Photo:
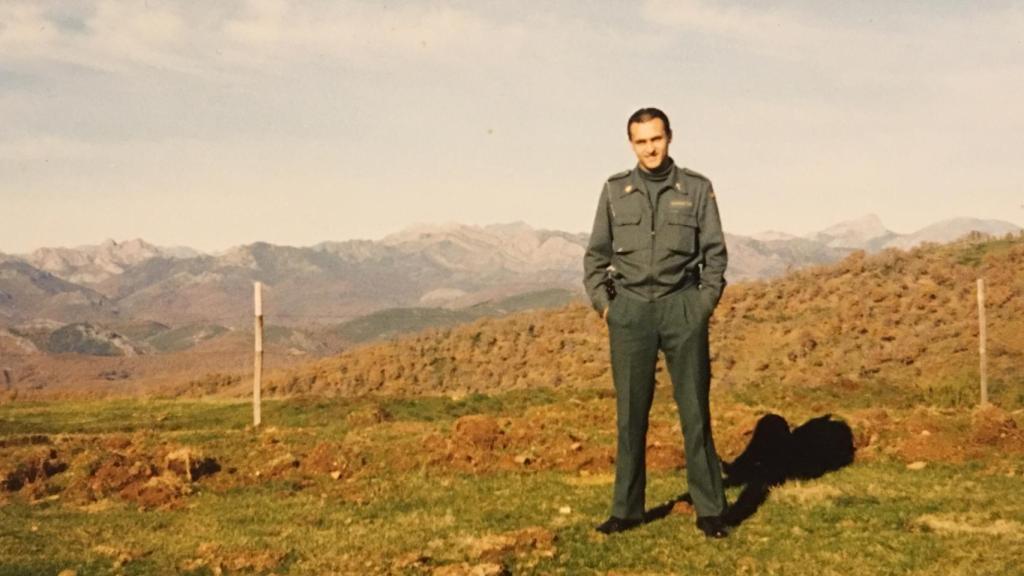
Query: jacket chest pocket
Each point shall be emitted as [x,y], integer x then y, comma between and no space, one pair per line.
[680,232]
[627,232]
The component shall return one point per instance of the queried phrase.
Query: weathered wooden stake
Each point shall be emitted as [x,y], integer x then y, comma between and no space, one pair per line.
[257,380]
[981,341]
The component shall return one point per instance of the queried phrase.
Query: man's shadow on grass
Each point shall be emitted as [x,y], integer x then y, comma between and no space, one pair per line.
[774,455]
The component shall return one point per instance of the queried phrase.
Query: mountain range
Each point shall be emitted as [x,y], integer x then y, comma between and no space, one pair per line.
[894,327]
[448,267]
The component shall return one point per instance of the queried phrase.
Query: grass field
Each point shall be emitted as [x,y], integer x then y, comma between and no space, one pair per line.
[417,486]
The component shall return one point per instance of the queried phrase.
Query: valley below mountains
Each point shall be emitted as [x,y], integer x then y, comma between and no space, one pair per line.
[130,316]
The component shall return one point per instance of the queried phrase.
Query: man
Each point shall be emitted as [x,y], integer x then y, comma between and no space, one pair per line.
[654,269]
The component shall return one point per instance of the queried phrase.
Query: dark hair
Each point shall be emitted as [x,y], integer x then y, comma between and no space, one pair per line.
[646,115]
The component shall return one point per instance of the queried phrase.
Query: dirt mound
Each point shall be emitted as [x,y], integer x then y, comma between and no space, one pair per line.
[35,466]
[85,470]
[993,426]
[42,465]
[164,491]
[135,477]
[544,439]
[478,431]
[936,435]
[325,458]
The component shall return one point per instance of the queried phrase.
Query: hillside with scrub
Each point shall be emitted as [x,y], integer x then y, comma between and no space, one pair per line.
[897,328]
[489,448]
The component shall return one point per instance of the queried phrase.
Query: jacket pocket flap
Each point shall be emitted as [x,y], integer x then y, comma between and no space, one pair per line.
[626,218]
[682,219]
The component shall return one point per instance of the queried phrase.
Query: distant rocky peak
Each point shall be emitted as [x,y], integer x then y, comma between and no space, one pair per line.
[517,227]
[861,233]
[92,264]
[773,236]
[868,226]
[421,232]
[130,251]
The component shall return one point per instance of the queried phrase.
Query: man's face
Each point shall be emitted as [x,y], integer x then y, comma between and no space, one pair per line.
[650,143]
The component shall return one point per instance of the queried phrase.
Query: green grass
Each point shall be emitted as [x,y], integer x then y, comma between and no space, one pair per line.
[866,522]
[869,518]
[443,408]
[162,415]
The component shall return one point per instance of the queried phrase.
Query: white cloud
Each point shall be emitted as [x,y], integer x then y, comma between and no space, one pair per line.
[112,36]
[910,36]
[747,24]
[24,29]
[269,35]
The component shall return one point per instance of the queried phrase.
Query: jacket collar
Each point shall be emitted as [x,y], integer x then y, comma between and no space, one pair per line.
[635,181]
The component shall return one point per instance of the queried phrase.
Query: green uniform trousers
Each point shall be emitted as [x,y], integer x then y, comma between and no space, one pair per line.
[678,325]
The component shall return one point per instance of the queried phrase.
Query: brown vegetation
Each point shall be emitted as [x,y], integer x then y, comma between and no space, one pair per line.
[897,326]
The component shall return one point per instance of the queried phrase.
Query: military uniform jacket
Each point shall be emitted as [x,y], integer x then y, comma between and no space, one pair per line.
[654,249]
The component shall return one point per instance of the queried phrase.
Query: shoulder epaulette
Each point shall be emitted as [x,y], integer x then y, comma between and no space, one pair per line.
[689,172]
[619,175]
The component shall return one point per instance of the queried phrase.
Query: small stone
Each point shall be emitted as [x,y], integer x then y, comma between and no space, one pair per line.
[576,446]
[523,459]
[336,474]
[925,433]
[564,510]
[919,465]
[683,508]
[67,572]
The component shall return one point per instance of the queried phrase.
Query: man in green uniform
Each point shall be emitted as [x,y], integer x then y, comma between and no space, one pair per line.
[654,269]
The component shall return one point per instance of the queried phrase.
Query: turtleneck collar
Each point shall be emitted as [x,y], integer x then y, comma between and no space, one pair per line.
[659,174]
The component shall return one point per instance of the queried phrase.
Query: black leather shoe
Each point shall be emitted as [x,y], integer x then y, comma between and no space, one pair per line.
[613,525]
[712,526]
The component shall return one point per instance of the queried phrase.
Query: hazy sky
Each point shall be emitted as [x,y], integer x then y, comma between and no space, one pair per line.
[212,124]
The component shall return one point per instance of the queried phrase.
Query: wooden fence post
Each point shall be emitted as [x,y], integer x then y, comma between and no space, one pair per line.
[257,380]
[982,336]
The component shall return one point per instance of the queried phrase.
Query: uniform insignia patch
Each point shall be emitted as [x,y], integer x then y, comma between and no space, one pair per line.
[684,203]
[629,188]
[679,186]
